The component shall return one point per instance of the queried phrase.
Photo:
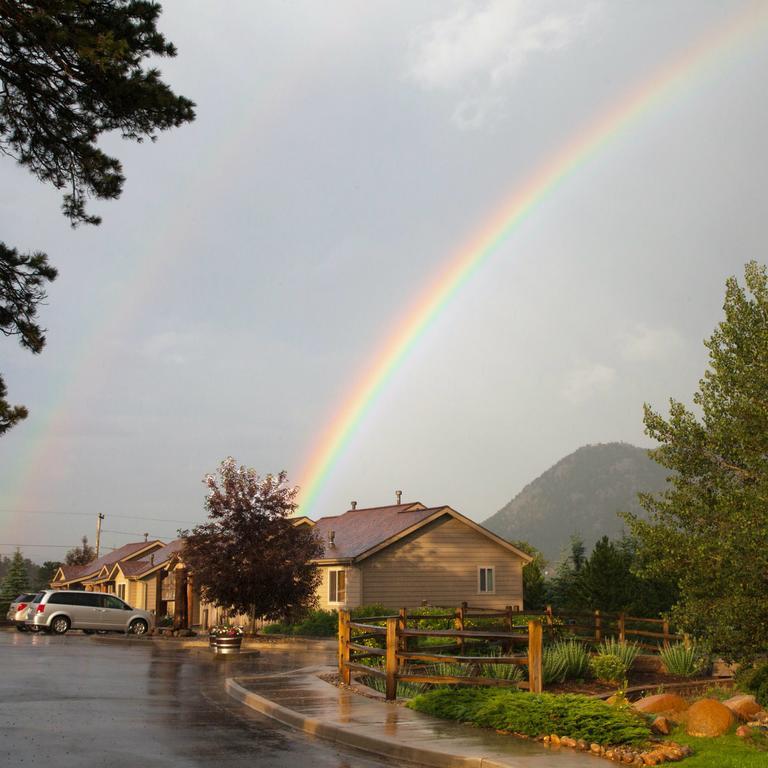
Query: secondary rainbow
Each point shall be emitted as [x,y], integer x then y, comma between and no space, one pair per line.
[684,70]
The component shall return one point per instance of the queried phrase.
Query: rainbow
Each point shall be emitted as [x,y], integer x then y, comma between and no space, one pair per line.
[692,65]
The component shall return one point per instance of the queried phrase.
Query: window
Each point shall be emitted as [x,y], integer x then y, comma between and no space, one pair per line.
[486,582]
[337,586]
[113,602]
[121,591]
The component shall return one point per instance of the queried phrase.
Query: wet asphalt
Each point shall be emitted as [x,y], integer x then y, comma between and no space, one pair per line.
[80,702]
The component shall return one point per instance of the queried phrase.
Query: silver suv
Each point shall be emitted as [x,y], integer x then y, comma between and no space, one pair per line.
[58,610]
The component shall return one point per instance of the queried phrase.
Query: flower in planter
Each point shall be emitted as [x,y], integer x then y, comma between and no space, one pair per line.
[225,630]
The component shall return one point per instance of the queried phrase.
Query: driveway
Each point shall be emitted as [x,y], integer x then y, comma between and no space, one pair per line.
[73,701]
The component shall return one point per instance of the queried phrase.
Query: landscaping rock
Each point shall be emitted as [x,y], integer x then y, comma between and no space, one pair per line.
[554,740]
[595,748]
[743,707]
[709,717]
[667,703]
[744,732]
[661,725]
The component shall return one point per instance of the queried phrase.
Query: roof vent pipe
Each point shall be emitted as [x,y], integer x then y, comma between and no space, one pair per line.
[399,495]
[354,504]
[146,536]
[332,538]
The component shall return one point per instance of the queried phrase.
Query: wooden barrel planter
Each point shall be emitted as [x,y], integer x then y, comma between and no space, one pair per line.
[226,645]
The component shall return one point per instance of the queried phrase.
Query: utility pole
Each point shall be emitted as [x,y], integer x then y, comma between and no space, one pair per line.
[98,533]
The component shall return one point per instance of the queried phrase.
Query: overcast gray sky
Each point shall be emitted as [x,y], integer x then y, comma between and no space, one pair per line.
[343,153]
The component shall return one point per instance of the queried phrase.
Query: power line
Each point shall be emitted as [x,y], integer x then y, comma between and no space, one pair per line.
[91,514]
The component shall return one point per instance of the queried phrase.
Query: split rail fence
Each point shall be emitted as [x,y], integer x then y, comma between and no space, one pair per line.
[401,660]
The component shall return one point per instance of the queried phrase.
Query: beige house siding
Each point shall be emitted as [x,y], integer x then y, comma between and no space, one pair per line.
[354,585]
[439,564]
[150,585]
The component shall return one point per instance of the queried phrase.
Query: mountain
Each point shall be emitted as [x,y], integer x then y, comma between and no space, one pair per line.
[581,494]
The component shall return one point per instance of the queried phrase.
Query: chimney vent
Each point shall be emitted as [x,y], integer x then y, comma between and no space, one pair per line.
[354,504]
[399,495]
[331,538]
[146,536]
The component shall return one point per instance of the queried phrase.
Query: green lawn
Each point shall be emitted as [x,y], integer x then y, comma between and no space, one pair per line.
[725,752]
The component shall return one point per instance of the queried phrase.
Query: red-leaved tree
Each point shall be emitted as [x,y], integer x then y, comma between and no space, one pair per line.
[250,557]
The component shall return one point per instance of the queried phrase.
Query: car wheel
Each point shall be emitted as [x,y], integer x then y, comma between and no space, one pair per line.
[60,625]
[138,627]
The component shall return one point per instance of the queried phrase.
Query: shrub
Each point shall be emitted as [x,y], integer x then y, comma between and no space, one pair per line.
[755,680]
[579,717]
[608,668]
[574,657]
[554,665]
[682,660]
[512,672]
[627,652]
[317,623]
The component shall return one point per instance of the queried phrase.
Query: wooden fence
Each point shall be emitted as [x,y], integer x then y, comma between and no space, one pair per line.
[596,626]
[402,661]
[402,664]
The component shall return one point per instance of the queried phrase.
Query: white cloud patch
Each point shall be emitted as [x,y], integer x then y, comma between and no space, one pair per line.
[481,47]
[643,344]
[582,383]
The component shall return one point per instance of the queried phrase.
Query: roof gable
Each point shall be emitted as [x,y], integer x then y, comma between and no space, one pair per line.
[360,533]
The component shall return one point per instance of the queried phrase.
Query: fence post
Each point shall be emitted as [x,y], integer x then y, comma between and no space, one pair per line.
[459,624]
[598,627]
[402,622]
[665,630]
[510,622]
[534,657]
[346,635]
[622,632]
[391,658]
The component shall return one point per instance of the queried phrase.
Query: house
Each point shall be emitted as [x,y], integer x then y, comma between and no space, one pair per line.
[97,576]
[406,555]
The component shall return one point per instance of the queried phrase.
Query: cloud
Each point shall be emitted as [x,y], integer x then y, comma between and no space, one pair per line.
[480,48]
[643,344]
[580,384]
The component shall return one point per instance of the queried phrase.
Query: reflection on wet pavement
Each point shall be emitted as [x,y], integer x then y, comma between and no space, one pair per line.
[74,701]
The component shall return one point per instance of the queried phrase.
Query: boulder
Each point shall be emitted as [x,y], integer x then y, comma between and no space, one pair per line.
[744,732]
[666,703]
[661,725]
[743,707]
[709,717]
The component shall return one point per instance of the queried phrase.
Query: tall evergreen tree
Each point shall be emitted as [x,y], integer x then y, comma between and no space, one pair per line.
[710,529]
[534,587]
[71,71]
[15,582]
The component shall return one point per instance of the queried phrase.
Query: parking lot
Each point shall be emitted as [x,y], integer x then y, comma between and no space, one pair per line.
[77,701]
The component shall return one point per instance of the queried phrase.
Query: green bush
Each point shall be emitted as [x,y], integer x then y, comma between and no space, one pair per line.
[317,623]
[682,660]
[755,680]
[627,652]
[554,665]
[608,668]
[574,656]
[579,717]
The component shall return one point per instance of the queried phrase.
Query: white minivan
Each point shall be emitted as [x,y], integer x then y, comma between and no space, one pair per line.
[59,610]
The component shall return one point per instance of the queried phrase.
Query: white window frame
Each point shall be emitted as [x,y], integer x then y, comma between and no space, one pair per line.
[486,591]
[121,591]
[333,599]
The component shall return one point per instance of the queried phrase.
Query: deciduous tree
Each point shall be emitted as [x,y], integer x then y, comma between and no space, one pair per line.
[249,556]
[81,555]
[710,529]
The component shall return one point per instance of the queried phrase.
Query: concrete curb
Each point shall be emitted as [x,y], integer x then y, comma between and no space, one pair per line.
[368,742]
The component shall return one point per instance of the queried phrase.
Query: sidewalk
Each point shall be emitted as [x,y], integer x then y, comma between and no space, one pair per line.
[300,699]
